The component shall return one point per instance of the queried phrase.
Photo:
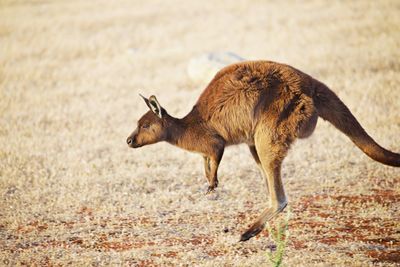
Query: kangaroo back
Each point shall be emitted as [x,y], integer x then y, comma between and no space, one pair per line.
[332,109]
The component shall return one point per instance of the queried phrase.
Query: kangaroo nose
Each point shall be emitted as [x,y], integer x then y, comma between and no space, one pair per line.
[129,140]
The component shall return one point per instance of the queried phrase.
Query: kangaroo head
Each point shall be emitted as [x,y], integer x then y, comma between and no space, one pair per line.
[151,127]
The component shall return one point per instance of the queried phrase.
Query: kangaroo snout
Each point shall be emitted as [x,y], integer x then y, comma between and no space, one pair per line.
[131,141]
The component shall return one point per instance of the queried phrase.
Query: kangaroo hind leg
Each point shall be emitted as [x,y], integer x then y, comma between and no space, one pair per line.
[254,153]
[271,155]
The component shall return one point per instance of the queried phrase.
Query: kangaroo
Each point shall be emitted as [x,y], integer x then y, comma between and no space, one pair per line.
[264,104]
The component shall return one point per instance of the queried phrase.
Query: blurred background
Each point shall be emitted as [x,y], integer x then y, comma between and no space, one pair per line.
[70,74]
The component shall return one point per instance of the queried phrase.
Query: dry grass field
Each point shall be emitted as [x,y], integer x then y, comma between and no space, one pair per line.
[73,193]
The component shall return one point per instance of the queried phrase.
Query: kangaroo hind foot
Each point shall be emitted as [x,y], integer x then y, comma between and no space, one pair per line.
[259,225]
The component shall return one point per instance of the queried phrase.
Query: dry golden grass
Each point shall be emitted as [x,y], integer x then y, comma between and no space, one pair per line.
[73,193]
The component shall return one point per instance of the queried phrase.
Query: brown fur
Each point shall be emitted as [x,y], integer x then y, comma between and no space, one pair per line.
[264,104]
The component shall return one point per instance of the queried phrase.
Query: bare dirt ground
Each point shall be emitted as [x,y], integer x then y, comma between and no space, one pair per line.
[72,193]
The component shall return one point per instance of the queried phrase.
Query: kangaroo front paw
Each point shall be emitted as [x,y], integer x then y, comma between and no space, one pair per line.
[212,187]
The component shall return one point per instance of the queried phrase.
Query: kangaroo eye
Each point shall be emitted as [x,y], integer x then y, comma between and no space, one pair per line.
[145,126]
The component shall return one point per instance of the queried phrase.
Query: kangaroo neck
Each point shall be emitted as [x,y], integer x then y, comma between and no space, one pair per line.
[180,131]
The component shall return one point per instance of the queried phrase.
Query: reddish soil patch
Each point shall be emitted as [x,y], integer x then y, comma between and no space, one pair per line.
[216,253]
[329,219]
[345,225]
[32,226]
[384,256]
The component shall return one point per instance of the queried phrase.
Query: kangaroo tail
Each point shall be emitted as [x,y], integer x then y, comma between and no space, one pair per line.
[332,109]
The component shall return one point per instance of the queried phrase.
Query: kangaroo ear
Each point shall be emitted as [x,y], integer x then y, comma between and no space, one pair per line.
[146,101]
[155,106]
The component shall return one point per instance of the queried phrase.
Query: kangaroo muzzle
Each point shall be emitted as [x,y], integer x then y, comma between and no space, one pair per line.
[132,140]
